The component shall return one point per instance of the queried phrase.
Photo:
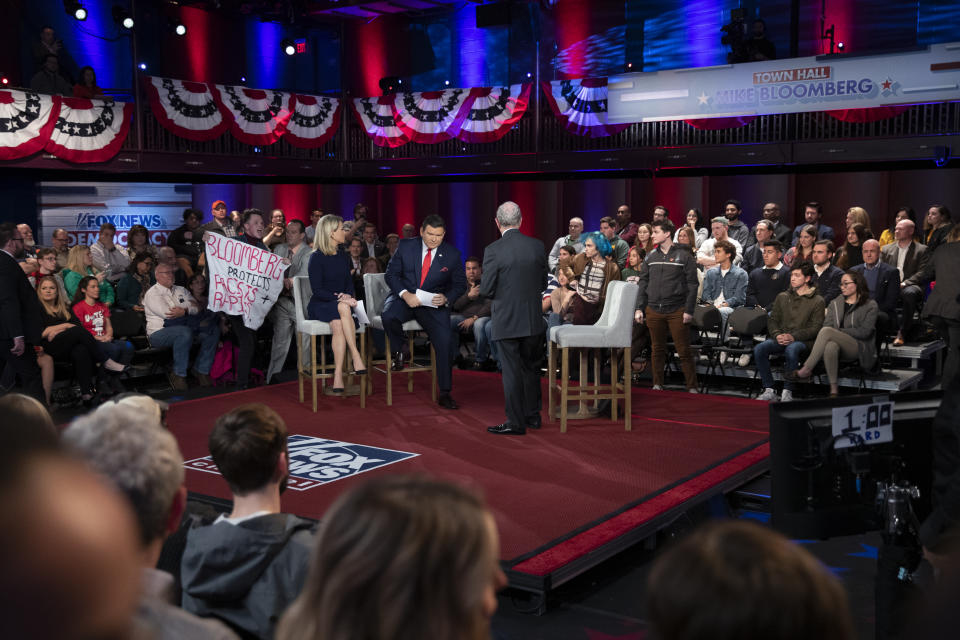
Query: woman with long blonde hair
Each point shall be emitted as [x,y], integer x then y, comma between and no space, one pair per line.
[80,265]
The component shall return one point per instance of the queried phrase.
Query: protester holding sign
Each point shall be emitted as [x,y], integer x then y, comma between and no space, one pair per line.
[332,300]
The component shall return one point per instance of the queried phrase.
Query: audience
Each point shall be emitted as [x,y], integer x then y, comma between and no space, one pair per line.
[107,257]
[136,282]
[859,215]
[79,265]
[753,254]
[60,240]
[765,283]
[883,282]
[936,226]
[372,247]
[660,213]
[592,272]
[725,285]
[771,212]
[187,241]
[168,309]
[276,231]
[631,272]
[138,241]
[803,249]
[942,308]
[48,79]
[608,227]
[471,313]
[46,266]
[793,325]
[736,580]
[94,316]
[87,87]
[311,229]
[222,223]
[718,230]
[628,229]
[812,213]
[249,565]
[574,239]
[738,231]
[910,258]
[696,223]
[643,238]
[401,557]
[129,447]
[903,213]
[828,276]
[851,253]
[283,314]
[847,333]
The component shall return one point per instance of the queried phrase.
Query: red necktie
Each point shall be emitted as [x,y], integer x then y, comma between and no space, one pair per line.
[425,268]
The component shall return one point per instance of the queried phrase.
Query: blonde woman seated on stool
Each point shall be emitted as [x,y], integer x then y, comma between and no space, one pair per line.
[847,333]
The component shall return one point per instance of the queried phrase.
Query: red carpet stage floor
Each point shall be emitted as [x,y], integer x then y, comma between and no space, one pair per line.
[561,500]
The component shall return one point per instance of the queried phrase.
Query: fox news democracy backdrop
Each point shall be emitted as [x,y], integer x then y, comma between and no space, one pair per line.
[81,207]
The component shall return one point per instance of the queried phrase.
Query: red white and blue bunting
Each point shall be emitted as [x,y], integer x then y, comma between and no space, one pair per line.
[313,121]
[89,130]
[26,120]
[480,114]
[582,104]
[186,109]
[256,116]
[377,119]
[72,129]
[494,112]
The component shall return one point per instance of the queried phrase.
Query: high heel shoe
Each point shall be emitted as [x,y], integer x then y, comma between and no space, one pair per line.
[112,365]
[337,391]
[360,372]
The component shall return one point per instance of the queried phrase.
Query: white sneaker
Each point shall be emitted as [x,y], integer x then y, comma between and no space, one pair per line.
[692,391]
[768,395]
[744,360]
[656,387]
[723,357]
[787,396]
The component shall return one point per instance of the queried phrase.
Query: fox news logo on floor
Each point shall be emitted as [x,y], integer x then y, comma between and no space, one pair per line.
[318,461]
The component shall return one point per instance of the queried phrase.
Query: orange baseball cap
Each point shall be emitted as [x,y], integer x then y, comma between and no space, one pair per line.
[218,203]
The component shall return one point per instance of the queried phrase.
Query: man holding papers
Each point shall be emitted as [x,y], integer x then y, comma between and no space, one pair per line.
[425,276]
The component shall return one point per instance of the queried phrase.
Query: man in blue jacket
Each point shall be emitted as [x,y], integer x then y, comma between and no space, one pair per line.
[884,283]
[428,264]
[725,285]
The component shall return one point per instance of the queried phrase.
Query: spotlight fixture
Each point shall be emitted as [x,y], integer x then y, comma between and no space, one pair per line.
[243,78]
[288,47]
[122,17]
[143,66]
[180,29]
[389,84]
[4,80]
[840,46]
[446,83]
[75,9]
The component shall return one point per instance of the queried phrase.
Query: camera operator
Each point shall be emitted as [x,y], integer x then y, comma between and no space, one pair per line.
[759,47]
[754,49]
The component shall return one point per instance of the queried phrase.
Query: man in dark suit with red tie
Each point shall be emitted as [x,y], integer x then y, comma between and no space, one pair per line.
[20,323]
[430,264]
[514,275]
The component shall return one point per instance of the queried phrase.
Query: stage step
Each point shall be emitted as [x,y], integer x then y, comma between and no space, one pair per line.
[887,380]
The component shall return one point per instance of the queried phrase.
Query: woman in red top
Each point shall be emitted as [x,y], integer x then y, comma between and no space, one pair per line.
[87,88]
[95,318]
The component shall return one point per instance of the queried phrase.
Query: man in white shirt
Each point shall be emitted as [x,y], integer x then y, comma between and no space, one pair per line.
[910,258]
[172,321]
[574,238]
[315,216]
[284,313]
[718,229]
[106,256]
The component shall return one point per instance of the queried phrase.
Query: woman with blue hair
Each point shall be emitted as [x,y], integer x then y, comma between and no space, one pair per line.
[593,271]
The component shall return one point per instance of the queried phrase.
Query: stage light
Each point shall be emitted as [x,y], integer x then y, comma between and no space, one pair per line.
[446,83]
[629,65]
[122,17]
[389,84]
[143,66]
[529,75]
[243,78]
[288,47]
[180,29]
[75,9]
[4,80]
[840,46]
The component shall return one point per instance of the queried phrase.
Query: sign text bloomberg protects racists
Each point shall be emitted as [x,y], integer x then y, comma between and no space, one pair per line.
[244,280]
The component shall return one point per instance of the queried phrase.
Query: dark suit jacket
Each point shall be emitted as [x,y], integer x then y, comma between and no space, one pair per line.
[944,266]
[888,286]
[19,305]
[763,288]
[379,249]
[446,273]
[916,260]
[514,276]
[828,283]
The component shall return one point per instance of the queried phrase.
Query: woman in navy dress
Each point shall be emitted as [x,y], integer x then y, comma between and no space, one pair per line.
[332,300]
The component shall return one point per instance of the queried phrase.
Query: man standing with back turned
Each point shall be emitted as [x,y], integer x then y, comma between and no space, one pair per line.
[514,274]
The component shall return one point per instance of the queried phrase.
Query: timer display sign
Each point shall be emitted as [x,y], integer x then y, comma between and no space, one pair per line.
[863,424]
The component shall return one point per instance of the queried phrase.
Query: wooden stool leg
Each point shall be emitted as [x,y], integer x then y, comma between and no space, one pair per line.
[551,377]
[300,366]
[313,369]
[323,361]
[564,388]
[614,387]
[584,381]
[627,383]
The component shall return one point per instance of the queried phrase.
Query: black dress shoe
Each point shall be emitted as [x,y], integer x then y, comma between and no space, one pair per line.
[447,402]
[507,429]
[533,423]
[397,361]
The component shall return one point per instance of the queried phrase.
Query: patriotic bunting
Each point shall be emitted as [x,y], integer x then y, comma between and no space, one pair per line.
[430,117]
[89,130]
[494,111]
[257,117]
[377,119]
[480,114]
[315,119]
[582,104]
[186,109]
[26,120]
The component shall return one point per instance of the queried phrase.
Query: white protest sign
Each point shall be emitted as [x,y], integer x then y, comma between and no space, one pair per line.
[244,280]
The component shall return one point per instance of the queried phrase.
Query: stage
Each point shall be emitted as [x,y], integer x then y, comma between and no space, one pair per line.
[563,502]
